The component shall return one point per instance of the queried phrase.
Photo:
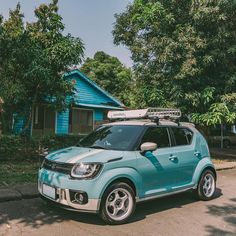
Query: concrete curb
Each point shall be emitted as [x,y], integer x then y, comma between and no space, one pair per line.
[30,191]
[18,192]
[9,194]
[225,166]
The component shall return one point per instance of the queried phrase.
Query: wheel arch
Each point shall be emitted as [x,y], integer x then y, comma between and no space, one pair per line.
[203,165]
[123,180]
[127,175]
[211,168]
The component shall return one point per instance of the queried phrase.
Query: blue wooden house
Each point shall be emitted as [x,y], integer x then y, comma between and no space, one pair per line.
[87,112]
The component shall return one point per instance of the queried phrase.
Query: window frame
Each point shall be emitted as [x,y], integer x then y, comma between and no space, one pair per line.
[132,146]
[173,135]
[138,143]
[93,121]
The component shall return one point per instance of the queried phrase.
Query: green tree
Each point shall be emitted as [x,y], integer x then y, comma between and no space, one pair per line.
[33,58]
[110,74]
[184,52]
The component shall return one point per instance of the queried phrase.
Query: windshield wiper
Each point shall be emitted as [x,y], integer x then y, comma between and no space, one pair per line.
[97,147]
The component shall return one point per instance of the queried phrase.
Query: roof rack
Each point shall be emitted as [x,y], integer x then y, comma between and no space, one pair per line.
[151,113]
[164,113]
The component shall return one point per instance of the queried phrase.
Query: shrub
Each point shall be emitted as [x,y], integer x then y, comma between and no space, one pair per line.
[13,147]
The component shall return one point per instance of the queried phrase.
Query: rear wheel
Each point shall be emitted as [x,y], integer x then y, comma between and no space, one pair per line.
[206,186]
[118,204]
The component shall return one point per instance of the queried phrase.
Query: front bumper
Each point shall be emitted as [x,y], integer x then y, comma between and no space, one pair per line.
[63,199]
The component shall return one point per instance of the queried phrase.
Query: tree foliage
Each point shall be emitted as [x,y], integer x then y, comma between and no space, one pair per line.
[184,53]
[110,74]
[33,57]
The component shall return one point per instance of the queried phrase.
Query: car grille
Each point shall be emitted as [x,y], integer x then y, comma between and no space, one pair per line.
[57,167]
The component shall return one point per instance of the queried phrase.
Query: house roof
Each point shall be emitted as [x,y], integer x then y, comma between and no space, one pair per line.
[93,84]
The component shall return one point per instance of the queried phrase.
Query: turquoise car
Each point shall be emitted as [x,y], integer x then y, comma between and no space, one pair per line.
[142,155]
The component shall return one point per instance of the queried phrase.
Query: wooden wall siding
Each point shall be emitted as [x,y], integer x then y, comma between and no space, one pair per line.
[18,124]
[62,122]
[99,115]
[89,94]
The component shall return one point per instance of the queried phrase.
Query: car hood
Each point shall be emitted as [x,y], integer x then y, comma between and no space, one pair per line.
[80,154]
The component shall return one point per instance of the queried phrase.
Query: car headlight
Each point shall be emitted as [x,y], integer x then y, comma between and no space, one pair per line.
[85,170]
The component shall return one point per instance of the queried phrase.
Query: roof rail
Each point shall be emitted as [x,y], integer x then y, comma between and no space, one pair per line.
[151,113]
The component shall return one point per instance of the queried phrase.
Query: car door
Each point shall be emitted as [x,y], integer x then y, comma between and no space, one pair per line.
[187,149]
[157,168]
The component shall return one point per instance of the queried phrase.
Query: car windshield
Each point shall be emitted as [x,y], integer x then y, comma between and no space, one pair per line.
[116,137]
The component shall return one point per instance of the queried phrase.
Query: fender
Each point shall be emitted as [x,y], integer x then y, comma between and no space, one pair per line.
[111,175]
[202,165]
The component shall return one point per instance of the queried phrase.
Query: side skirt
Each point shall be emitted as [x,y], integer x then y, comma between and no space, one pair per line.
[164,194]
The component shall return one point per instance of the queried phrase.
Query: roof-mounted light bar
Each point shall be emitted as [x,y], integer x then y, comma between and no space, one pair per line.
[151,113]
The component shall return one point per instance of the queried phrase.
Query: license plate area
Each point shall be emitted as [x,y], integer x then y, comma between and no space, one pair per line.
[49,191]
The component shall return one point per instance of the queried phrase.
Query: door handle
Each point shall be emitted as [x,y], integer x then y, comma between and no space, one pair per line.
[172,158]
[197,153]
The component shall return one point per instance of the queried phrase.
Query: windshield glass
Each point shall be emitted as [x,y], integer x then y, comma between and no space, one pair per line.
[117,137]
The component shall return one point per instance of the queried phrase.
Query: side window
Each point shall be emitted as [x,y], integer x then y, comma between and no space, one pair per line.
[158,135]
[182,136]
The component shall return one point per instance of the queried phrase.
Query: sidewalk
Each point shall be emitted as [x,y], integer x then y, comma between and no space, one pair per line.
[28,191]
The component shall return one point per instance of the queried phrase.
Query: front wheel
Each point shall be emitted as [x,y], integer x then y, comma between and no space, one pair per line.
[206,186]
[118,203]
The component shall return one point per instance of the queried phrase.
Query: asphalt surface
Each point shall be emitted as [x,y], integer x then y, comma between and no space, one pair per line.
[176,215]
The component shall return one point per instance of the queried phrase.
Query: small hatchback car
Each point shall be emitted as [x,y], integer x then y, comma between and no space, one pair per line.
[142,157]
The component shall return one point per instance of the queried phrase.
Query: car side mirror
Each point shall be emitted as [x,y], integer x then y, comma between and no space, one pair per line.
[148,146]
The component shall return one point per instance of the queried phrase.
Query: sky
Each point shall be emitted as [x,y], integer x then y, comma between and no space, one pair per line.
[91,20]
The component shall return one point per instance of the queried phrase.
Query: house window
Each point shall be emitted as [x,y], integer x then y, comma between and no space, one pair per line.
[43,121]
[81,121]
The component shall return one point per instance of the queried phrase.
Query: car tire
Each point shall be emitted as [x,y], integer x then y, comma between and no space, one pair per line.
[118,203]
[206,186]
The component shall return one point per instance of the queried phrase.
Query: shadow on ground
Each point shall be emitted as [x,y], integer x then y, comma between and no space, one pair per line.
[36,213]
[228,213]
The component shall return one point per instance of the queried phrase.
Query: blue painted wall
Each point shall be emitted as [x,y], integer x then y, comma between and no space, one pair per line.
[62,122]
[18,124]
[89,94]
[99,115]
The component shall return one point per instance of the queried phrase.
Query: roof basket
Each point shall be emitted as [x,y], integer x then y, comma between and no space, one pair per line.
[151,113]
[164,113]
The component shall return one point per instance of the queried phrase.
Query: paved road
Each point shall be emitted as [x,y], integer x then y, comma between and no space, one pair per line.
[176,215]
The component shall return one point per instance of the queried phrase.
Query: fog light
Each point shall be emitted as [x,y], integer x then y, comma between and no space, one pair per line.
[78,197]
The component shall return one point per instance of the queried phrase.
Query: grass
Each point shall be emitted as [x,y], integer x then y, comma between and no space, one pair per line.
[18,172]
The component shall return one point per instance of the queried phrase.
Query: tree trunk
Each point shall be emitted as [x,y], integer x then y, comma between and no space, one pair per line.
[221,136]
[29,120]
